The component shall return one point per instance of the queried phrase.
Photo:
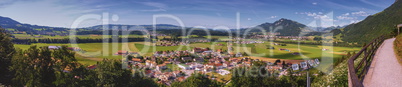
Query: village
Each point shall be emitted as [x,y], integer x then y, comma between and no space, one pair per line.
[170,66]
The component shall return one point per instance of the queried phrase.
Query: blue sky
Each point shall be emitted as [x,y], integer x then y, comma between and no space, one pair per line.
[205,13]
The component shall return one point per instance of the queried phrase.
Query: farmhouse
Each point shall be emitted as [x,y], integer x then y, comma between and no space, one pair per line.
[186,58]
[91,67]
[198,59]
[150,63]
[121,52]
[214,65]
[54,47]
[161,67]
[136,60]
[184,66]
[74,48]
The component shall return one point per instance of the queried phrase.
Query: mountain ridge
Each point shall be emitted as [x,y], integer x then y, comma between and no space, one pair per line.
[373,26]
[289,27]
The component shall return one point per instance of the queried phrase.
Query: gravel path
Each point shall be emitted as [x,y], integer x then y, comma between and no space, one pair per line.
[385,71]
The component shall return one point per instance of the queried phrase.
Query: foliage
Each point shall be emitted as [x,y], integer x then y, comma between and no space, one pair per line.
[197,80]
[6,53]
[398,47]
[259,77]
[338,77]
[110,73]
[33,67]
[44,67]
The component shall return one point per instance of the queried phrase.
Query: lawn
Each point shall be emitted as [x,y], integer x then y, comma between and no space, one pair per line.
[306,51]
[92,51]
[219,77]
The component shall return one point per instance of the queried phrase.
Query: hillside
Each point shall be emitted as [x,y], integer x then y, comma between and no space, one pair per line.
[289,27]
[375,25]
[9,23]
[158,26]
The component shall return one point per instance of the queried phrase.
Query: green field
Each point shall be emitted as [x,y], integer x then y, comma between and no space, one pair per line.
[94,51]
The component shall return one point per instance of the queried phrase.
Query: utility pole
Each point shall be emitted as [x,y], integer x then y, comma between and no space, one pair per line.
[308,79]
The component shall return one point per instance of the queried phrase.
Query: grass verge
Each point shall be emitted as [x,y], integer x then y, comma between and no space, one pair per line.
[398,48]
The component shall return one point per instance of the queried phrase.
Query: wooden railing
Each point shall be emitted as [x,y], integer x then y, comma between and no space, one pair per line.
[357,71]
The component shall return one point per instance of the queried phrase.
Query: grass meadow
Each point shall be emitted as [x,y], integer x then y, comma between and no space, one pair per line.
[94,52]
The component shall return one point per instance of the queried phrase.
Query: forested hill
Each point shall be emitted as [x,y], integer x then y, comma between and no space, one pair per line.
[375,25]
[119,26]
[9,23]
[289,27]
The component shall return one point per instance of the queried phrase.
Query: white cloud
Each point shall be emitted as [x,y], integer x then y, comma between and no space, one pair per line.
[345,17]
[373,4]
[355,21]
[353,16]
[158,6]
[155,4]
[154,10]
[326,19]
[360,13]
[314,3]
[273,16]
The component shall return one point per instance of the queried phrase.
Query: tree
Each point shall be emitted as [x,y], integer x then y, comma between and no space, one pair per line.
[317,39]
[33,67]
[197,80]
[284,65]
[259,64]
[277,61]
[245,54]
[66,67]
[6,52]
[111,73]
[129,57]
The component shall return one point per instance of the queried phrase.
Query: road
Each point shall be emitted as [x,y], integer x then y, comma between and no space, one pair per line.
[385,71]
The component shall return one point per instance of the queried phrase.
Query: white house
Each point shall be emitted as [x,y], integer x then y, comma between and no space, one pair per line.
[161,67]
[184,66]
[150,64]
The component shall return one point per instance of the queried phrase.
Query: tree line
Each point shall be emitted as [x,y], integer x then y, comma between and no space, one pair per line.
[76,40]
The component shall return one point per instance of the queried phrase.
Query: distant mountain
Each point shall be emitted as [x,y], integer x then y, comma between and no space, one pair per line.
[158,26]
[325,29]
[9,23]
[5,21]
[285,27]
[289,27]
[375,25]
